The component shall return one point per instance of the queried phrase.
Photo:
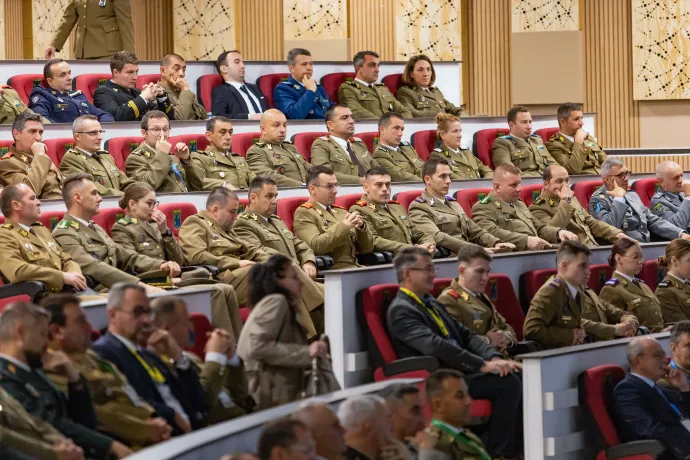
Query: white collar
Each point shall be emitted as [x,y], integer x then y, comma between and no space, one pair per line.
[453,150]
[322,205]
[128,343]
[341,142]
[84,151]
[82,221]
[629,278]
[572,289]
[649,382]
[235,84]
[570,138]
[389,147]
[362,82]
[25,227]
[16,362]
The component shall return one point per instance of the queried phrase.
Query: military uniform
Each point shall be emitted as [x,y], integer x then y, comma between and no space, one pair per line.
[576,158]
[326,151]
[107,177]
[674,296]
[634,297]
[11,105]
[216,168]
[299,103]
[672,207]
[511,222]
[403,164]
[103,28]
[325,233]
[39,173]
[458,443]
[59,107]
[603,316]
[145,238]
[185,105]
[630,215]
[463,164]
[425,102]
[447,223]
[124,104]
[530,156]
[282,162]
[389,225]
[574,218]
[162,171]
[369,101]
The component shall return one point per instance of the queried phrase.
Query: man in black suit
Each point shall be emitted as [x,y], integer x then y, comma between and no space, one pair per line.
[236,99]
[419,325]
[120,97]
[645,410]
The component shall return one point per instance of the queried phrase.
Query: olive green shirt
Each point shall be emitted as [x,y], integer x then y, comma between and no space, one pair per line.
[463,164]
[425,102]
[109,179]
[215,168]
[403,164]
[282,162]
[530,156]
[369,101]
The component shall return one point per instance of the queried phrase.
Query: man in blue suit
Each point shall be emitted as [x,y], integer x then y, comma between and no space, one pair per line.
[58,103]
[645,410]
[300,96]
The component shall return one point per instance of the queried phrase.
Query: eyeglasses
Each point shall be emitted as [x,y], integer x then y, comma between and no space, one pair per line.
[92,133]
[428,269]
[636,256]
[329,187]
[158,130]
[307,450]
[138,312]
[152,203]
[622,176]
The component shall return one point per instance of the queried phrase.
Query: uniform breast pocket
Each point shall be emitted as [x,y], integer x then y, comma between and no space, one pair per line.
[111,31]
[271,237]
[339,160]
[34,255]
[384,228]
[422,105]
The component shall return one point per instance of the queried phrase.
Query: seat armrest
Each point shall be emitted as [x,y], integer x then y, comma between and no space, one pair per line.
[324,262]
[371,258]
[524,346]
[30,288]
[442,253]
[650,447]
[415,363]
[212,269]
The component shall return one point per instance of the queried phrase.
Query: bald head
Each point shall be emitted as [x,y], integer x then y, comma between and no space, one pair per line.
[273,126]
[646,357]
[324,426]
[669,175]
[507,183]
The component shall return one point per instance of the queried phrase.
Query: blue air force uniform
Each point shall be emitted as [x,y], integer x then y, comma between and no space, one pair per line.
[298,102]
[64,107]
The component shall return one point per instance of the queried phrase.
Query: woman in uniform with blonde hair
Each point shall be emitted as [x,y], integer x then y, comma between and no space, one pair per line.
[674,292]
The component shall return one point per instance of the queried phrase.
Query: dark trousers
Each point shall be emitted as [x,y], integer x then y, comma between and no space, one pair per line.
[505,425]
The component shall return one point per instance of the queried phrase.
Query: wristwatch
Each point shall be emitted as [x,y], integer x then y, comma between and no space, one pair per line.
[167,233]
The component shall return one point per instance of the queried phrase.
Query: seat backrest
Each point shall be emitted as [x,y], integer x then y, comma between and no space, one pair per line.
[645,188]
[652,274]
[286,207]
[393,82]
[529,193]
[546,133]
[120,148]
[24,84]
[531,282]
[51,218]
[266,83]
[58,147]
[243,141]
[303,142]
[500,291]
[404,199]
[201,326]
[469,196]
[439,285]
[176,213]
[372,303]
[483,140]
[346,201]
[600,274]
[195,142]
[583,191]
[595,391]
[5,145]
[332,82]
[204,87]
[106,218]
[424,142]
[88,83]
[242,205]
[148,78]
[371,139]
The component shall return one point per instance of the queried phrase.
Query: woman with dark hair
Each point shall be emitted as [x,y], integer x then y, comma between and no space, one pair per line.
[417,93]
[674,292]
[273,344]
[627,292]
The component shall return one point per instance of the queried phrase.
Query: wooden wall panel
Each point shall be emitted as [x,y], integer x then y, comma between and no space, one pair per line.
[315,19]
[545,15]
[202,29]
[431,27]
[372,27]
[3,26]
[608,72]
[14,29]
[260,29]
[153,29]
[45,17]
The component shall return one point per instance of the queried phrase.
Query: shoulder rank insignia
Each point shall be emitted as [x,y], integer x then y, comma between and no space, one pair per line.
[464,296]
[611,282]
[245,216]
[7,226]
[485,200]
[37,224]
[453,293]
[665,284]
[336,206]
[123,221]
[307,205]
[556,283]
[539,201]
[536,135]
[65,224]
[437,150]
[420,200]
[259,143]
[361,203]
[450,198]
[355,139]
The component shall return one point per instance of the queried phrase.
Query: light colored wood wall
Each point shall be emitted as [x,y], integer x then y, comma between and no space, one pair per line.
[545,15]
[647,164]
[372,27]
[153,28]
[260,29]
[202,30]
[13,29]
[45,18]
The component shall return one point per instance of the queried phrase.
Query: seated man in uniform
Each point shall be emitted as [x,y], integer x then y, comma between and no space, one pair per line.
[300,96]
[503,215]
[557,206]
[28,162]
[365,97]
[329,229]
[441,217]
[556,316]
[121,98]
[614,204]
[672,199]
[87,156]
[398,157]
[11,105]
[156,163]
[184,103]
[573,147]
[273,155]
[386,219]
[58,103]
[347,156]
[217,166]
[521,148]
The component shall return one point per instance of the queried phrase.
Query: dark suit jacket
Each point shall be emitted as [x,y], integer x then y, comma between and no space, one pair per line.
[640,412]
[124,104]
[184,385]
[228,102]
[415,333]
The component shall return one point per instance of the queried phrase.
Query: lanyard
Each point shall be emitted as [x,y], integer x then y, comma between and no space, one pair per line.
[432,311]
[154,373]
[460,437]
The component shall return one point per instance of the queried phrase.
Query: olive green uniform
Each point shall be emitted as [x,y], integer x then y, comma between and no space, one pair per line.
[446,222]
[674,297]
[576,158]
[530,156]
[459,444]
[463,164]
[512,223]
[282,162]
[425,102]
[109,180]
[39,173]
[603,316]
[215,168]
[12,105]
[327,152]
[634,297]
[185,104]
[162,171]
[573,217]
[403,164]
[369,101]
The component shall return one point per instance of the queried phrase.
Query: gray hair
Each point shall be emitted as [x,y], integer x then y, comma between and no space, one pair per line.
[353,412]
[663,167]
[78,123]
[294,52]
[118,291]
[19,123]
[609,164]
[407,258]
[19,312]
[635,349]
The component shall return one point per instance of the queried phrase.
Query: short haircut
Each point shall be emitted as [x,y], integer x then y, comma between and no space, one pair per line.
[434,383]
[512,113]
[678,329]
[19,123]
[376,171]
[213,121]
[315,171]
[257,184]
[122,58]
[663,167]
[118,291]
[55,305]
[398,391]
[407,79]
[278,433]
[609,164]
[165,309]
[429,168]
[548,173]
[406,258]
[70,183]
[47,70]
[504,170]
[564,110]
[10,194]
[167,59]
[356,410]
[220,196]
[153,114]
[78,123]
[386,119]
[222,59]
[469,252]
[636,348]
[294,52]
[18,312]
[358,60]
[571,249]
[330,112]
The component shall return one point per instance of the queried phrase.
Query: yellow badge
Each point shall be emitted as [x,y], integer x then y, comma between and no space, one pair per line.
[465,296]
[23,232]
[269,147]
[551,202]
[147,154]
[498,205]
[372,206]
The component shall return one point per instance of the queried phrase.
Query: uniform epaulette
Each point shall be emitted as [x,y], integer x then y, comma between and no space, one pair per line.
[664,284]
[307,205]
[75,93]
[611,282]
[556,283]
[379,84]
[485,200]
[325,138]
[503,136]
[355,139]
[123,221]
[7,226]
[658,194]
[37,224]
[404,143]
[352,83]
[336,206]
[420,200]
[245,216]
[361,203]
[392,202]
[453,293]
[65,224]
[450,198]
[259,142]
[437,150]
[539,201]
[535,135]
[287,141]
[556,137]
[276,216]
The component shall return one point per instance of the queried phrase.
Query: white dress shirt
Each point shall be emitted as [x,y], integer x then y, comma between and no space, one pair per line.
[246,97]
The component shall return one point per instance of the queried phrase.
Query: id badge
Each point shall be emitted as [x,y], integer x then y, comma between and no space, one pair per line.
[686,424]
[101,3]
[225,399]
[132,395]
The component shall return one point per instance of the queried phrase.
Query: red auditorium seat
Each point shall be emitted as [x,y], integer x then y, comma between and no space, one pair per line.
[120,148]
[107,218]
[51,218]
[371,139]
[204,87]
[58,147]
[546,133]
[424,142]
[242,204]
[406,198]
[286,207]
[176,213]
[89,82]
[530,193]
[332,82]
[531,282]
[651,274]
[244,313]
[24,84]
[148,78]
[646,188]
[201,326]
[501,292]
[469,196]
[266,83]
[439,285]
[601,273]
[483,140]
[243,141]
[2,219]
[584,190]
[393,82]
[195,142]
[5,145]
[595,390]
[346,201]
[303,142]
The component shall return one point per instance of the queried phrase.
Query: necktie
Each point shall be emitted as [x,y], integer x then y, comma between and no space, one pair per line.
[251,99]
[360,169]
[636,282]
[663,395]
